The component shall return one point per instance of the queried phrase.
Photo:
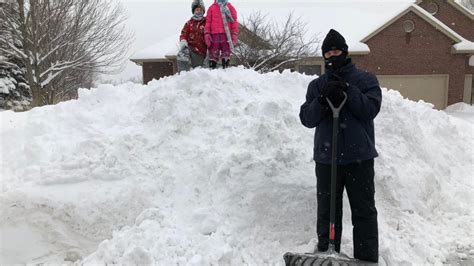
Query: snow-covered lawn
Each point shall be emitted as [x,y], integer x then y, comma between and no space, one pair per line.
[215,167]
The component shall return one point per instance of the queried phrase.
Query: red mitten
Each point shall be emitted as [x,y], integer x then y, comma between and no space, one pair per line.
[235,39]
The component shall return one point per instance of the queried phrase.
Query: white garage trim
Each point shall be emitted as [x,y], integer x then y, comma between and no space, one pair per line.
[468,88]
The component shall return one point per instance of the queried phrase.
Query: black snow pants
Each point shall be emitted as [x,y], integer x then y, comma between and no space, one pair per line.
[358,179]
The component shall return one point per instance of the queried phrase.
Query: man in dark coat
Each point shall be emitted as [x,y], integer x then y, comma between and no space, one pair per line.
[356,145]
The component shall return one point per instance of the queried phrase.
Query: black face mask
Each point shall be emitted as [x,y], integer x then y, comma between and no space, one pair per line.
[335,62]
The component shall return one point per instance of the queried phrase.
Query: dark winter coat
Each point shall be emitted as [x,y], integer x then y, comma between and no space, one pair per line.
[193,33]
[356,140]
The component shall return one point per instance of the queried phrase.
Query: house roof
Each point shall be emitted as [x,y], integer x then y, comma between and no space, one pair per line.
[158,51]
[461,45]
[458,6]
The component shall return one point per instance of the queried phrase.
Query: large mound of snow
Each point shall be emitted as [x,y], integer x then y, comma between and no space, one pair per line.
[463,111]
[215,167]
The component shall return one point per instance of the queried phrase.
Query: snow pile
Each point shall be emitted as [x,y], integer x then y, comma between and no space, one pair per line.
[463,111]
[215,167]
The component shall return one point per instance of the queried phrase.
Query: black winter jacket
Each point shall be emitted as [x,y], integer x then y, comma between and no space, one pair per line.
[356,138]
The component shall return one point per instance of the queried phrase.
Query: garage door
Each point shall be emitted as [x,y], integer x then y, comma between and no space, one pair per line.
[429,88]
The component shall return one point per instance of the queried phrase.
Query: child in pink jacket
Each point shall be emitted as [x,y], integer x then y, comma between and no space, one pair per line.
[215,33]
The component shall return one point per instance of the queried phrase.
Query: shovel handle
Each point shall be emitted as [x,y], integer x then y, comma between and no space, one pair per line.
[332,208]
[336,111]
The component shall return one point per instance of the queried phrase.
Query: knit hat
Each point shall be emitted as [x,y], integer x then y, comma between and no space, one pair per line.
[196,4]
[334,41]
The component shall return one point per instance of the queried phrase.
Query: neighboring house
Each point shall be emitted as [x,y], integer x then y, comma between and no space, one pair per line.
[426,51]
[158,60]
[418,54]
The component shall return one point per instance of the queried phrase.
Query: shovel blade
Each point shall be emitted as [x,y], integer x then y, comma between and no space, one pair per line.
[323,259]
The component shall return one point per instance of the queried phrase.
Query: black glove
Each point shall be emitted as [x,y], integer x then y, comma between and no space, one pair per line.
[333,91]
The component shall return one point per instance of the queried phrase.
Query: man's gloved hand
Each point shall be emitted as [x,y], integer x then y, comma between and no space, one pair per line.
[208,40]
[333,91]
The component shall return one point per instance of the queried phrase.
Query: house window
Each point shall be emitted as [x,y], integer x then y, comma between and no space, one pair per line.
[408,26]
[432,8]
[310,69]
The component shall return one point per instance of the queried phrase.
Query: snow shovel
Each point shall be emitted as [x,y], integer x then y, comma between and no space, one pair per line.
[329,257]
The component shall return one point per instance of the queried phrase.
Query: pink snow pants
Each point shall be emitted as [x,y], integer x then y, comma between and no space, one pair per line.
[219,47]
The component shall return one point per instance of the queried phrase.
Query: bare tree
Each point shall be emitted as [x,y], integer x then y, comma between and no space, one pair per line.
[63,43]
[272,46]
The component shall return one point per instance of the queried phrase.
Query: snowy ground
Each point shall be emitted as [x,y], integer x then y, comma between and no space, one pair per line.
[215,167]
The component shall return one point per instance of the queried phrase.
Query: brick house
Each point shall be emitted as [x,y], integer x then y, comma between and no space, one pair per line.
[426,52]
[418,54]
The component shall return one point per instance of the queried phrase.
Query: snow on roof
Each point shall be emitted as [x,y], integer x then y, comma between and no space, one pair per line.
[359,48]
[463,8]
[464,46]
[166,47]
[458,5]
